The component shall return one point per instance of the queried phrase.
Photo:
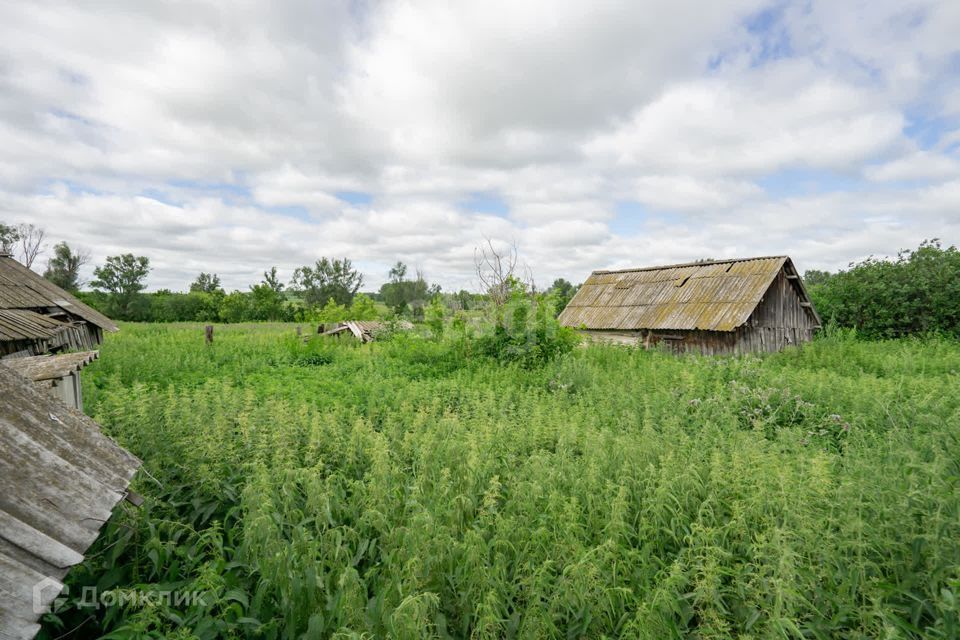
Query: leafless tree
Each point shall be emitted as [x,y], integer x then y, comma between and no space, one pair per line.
[495,270]
[31,243]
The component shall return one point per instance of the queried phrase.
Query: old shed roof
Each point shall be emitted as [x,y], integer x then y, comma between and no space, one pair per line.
[21,288]
[21,324]
[51,367]
[60,479]
[717,295]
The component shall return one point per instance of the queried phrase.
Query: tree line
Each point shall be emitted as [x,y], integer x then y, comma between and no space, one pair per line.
[918,292]
[326,291]
[328,288]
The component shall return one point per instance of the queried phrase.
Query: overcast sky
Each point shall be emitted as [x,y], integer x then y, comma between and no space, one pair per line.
[232,136]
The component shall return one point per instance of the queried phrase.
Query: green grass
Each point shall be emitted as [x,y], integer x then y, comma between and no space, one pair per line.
[397,490]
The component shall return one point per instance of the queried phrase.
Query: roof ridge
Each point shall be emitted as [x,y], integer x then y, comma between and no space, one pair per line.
[703,263]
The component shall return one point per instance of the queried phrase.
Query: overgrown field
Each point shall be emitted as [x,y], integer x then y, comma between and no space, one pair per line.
[399,490]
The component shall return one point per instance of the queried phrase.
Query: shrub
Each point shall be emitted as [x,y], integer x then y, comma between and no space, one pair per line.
[525,330]
[919,292]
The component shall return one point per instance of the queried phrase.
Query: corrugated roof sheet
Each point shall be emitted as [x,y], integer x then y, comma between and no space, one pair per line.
[50,367]
[21,324]
[60,479]
[714,296]
[21,288]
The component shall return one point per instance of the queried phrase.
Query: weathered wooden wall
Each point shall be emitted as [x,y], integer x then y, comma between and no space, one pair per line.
[778,321]
[78,337]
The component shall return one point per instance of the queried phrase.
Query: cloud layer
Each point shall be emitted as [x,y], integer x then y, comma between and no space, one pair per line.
[231,137]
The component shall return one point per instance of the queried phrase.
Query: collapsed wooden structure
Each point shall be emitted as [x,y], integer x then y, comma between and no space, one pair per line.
[38,317]
[362,330]
[711,307]
[60,479]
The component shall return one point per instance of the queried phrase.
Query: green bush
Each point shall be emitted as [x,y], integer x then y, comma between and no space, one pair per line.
[525,330]
[919,292]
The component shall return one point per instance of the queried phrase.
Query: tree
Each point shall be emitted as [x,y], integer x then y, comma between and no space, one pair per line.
[332,312]
[363,308]
[235,307]
[335,280]
[562,291]
[814,277]
[398,272]
[272,280]
[464,299]
[123,277]
[9,235]
[496,270]
[401,294]
[206,283]
[63,269]
[31,243]
[267,299]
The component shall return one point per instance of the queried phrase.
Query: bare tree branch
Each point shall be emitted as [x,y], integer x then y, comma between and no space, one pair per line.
[31,243]
[495,269]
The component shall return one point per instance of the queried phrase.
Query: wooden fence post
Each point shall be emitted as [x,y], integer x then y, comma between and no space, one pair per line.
[299,331]
[208,333]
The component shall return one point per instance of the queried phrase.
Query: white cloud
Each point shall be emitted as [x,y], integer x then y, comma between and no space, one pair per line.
[785,117]
[223,137]
[686,193]
[919,165]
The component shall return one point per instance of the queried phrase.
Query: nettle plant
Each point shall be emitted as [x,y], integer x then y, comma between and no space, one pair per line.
[400,490]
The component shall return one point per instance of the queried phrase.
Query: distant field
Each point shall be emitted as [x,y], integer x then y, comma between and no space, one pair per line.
[398,490]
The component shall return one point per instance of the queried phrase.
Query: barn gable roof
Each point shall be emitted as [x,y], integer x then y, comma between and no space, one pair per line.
[718,295]
[22,288]
[60,479]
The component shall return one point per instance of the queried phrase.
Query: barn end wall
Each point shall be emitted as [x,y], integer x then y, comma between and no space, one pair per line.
[780,320]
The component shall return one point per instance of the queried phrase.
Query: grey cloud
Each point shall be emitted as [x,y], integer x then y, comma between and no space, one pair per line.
[233,112]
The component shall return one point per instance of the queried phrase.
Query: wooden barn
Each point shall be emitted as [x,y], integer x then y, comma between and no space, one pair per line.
[714,307]
[38,317]
[60,479]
